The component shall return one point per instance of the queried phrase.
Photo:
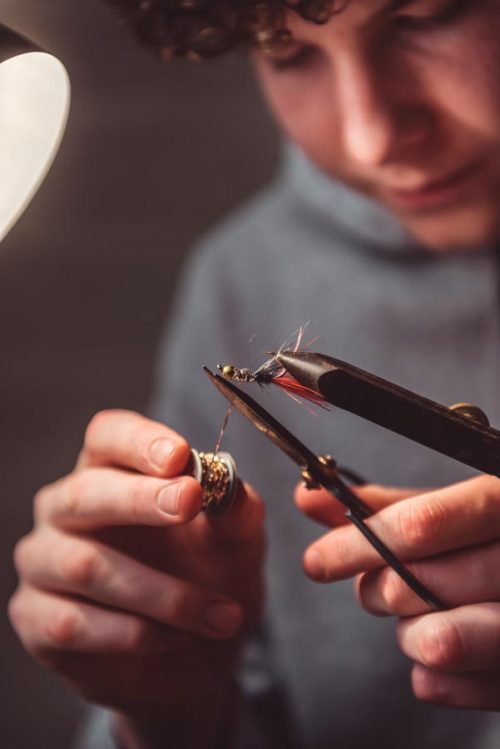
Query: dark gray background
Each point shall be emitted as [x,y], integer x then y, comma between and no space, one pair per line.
[153,155]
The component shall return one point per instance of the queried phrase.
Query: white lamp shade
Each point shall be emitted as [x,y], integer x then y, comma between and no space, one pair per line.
[34,105]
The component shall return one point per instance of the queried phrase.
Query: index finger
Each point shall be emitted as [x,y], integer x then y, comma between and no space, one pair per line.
[129,440]
[459,516]
[320,505]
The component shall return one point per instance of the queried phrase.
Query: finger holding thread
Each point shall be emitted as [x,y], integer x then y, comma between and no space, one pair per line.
[244,522]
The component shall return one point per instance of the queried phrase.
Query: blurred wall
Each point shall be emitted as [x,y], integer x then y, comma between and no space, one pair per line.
[153,155]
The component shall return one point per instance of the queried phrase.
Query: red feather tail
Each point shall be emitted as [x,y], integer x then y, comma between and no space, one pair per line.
[290,385]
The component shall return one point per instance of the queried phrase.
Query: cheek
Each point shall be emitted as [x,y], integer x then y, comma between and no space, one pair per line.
[465,81]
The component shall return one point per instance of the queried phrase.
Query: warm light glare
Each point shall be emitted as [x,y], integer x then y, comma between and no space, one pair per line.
[34,104]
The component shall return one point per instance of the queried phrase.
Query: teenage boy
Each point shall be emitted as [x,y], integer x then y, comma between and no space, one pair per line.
[381,229]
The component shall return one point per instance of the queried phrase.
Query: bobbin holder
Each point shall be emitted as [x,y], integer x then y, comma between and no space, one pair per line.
[321,471]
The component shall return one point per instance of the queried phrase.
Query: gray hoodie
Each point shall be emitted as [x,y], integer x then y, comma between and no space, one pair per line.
[322,673]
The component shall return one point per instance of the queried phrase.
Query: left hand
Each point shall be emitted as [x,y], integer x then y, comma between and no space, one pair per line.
[450,540]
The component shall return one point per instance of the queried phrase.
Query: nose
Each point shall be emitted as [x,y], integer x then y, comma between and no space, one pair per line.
[381,118]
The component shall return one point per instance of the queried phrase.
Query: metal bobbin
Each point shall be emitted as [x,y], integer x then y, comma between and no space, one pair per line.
[218,477]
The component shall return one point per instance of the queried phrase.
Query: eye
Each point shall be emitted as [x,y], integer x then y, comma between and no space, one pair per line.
[443,17]
[302,57]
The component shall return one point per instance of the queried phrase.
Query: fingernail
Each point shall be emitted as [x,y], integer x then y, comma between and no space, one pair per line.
[160,452]
[224,618]
[314,565]
[168,498]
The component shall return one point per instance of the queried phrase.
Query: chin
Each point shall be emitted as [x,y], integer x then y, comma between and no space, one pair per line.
[465,230]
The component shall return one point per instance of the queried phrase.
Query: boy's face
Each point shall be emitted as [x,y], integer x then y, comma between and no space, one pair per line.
[401,100]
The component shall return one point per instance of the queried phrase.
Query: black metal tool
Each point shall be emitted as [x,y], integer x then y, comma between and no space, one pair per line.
[323,471]
[461,432]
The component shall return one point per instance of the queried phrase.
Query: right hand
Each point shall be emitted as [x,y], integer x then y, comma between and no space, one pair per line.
[139,609]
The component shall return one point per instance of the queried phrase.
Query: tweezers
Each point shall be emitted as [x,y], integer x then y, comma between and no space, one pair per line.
[461,431]
[321,471]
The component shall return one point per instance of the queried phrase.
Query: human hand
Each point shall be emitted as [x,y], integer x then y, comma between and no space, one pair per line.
[449,539]
[138,608]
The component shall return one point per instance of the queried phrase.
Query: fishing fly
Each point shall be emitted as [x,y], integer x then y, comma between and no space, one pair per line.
[272,373]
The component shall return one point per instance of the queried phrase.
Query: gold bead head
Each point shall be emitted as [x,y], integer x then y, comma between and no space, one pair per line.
[227,370]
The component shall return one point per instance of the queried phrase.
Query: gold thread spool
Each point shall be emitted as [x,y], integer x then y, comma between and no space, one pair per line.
[218,477]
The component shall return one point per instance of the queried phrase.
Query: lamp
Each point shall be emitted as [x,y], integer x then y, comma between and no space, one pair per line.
[34,105]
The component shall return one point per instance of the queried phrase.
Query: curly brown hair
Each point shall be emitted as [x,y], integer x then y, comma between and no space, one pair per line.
[199,29]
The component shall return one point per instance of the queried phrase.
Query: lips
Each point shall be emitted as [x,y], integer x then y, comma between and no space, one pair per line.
[433,193]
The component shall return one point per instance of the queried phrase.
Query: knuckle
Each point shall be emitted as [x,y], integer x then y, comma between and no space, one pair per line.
[20,554]
[441,645]
[40,502]
[75,490]
[15,610]
[174,605]
[420,522]
[137,636]
[63,626]
[95,425]
[81,566]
